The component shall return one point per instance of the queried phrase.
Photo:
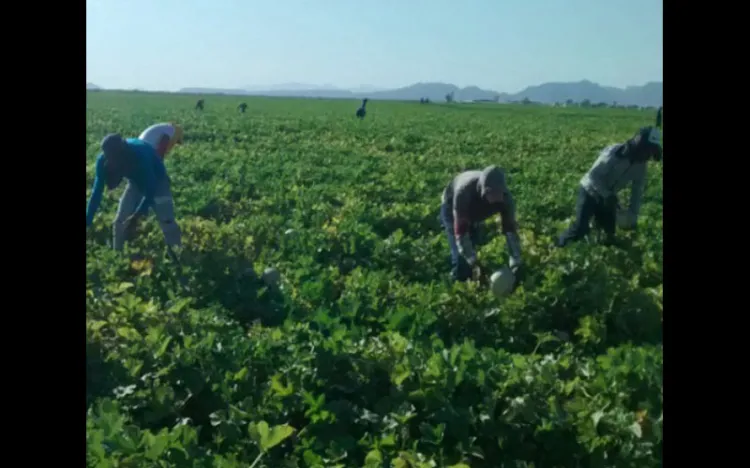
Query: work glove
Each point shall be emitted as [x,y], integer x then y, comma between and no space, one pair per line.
[518,273]
[477,270]
[466,250]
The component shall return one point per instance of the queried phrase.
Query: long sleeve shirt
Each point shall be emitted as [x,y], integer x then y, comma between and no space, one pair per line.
[146,173]
[464,195]
[610,174]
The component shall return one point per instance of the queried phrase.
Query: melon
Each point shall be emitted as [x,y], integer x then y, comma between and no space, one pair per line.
[501,282]
[271,276]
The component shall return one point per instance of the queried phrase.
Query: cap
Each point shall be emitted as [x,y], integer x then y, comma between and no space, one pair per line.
[112,144]
[650,136]
[492,179]
[654,136]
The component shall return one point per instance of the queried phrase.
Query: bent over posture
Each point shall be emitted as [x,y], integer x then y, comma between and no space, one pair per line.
[469,198]
[162,137]
[616,166]
[148,187]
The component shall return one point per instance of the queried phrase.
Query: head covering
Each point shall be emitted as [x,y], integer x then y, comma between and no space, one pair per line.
[648,137]
[113,145]
[492,179]
[114,149]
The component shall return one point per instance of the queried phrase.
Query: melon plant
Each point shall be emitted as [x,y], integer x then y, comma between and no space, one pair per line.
[368,356]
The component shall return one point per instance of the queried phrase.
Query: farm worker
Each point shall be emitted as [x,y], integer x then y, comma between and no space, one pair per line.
[616,166]
[162,137]
[471,197]
[148,187]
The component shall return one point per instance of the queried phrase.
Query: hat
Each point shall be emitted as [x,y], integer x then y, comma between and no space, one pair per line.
[112,145]
[492,180]
[650,136]
[653,136]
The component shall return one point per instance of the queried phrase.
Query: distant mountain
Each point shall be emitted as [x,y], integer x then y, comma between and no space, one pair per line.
[293,87]
[649,94]
[367,89]
[92,87]
[434,91]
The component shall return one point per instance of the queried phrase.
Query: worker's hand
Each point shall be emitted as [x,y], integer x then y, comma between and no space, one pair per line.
[476,270]
[518,273]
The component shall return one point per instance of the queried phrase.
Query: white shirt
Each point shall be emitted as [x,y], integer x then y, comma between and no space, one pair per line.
[153,134]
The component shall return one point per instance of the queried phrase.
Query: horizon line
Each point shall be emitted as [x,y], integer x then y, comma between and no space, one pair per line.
[379,89]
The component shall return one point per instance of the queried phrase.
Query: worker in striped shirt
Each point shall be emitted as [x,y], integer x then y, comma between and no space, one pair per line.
[616,166]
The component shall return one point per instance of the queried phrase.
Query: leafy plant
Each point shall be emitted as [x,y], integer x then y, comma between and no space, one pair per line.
[365,355]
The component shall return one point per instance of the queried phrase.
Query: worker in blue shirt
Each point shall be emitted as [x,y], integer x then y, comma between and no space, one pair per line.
[148,187]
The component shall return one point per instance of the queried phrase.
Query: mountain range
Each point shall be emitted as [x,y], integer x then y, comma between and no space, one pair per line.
[649,94]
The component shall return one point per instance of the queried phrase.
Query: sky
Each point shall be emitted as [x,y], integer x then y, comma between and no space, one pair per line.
[502,45]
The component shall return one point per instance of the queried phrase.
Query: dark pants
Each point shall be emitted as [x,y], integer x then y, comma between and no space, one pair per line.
[460,269]
[604,212]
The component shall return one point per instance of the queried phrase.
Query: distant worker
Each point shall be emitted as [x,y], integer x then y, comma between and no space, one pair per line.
[616,166]
[162,137]
[361,111]
[472,197]
[242,107]
[199,104]
[148,187]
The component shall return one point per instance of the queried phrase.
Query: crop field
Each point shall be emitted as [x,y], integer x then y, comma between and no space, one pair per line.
[366,355]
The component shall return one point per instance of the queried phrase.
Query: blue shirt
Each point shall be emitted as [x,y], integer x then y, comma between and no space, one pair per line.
[146,174]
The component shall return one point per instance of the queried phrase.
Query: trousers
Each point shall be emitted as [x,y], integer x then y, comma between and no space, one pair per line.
[603,211]
[460,269]
[163,208]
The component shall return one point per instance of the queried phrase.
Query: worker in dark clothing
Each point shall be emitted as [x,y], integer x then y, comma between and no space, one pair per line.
[616,167]
[472,197]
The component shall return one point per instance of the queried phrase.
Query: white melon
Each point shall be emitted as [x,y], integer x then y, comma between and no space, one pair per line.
[501,282]
[271,276]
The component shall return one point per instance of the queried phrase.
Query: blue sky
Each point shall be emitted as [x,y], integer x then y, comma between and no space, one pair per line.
[504,45]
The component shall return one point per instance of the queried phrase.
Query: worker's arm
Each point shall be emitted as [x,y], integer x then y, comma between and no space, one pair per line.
[462,224]
[510,229]
[96,193]
[636,196]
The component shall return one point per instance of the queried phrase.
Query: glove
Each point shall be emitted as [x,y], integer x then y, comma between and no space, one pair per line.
[518,273]
[466,249]
[476,271]
[514,248]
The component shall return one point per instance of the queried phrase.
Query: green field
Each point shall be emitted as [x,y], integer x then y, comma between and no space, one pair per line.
[368,356]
